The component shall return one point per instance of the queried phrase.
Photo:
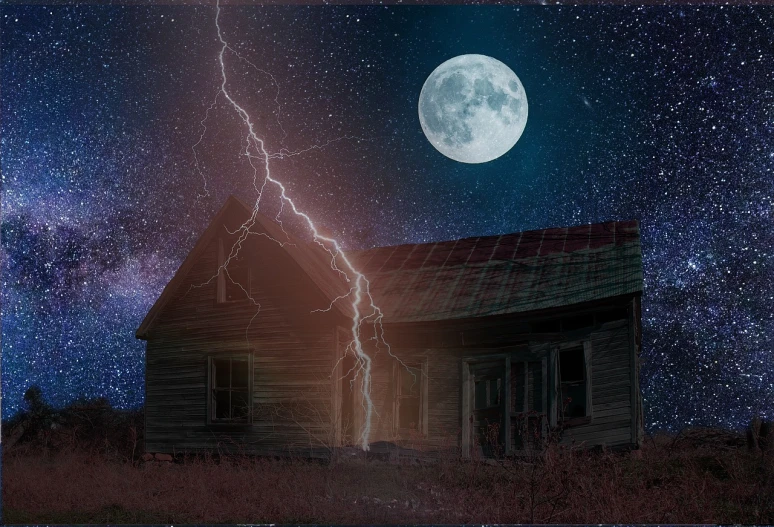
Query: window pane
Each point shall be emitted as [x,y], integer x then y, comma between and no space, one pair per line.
[481,401]
[240,406]
[239,373]
[220,374]
[516,432]
[410,377]
[517,386]
[494,392]
[222,404]
[571,365]
[576,392]
[409,412]
[536,386]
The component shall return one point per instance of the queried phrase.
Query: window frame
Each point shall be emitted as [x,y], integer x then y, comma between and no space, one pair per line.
[587,356]
[211,419]
[220,288]
[468,394]
[422,427]
[539,415]
[488,394]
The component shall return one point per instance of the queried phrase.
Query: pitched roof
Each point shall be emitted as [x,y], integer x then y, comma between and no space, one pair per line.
[512,273]
[471,277]
[312,259]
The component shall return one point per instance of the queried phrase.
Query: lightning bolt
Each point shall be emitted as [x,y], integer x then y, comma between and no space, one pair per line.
[364,309]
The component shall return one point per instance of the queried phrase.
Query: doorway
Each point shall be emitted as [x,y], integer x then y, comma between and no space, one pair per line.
[488,407]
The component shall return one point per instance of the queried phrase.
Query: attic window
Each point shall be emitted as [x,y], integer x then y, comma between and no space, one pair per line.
[575,381]
[230,389]
[234,278]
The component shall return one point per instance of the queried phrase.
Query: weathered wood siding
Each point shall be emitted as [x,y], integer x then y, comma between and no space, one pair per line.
[611,392]
[292,354]
[442,388]
[611,383]
[297,388]
[444,396]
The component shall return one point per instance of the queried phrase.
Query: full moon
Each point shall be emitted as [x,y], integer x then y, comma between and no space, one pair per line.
[473,108]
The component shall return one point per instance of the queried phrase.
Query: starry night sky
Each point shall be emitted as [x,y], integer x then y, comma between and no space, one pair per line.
[661,114]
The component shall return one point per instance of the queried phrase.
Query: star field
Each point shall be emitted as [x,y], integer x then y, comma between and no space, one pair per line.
[115,154]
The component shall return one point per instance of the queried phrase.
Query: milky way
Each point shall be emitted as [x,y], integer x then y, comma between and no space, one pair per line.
[661,114]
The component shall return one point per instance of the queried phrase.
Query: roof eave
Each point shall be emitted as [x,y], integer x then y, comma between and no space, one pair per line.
[148,322]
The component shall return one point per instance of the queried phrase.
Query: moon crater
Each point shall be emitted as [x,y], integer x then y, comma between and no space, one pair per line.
[473,108]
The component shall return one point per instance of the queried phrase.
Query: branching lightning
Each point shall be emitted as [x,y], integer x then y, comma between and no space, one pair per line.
[364,309]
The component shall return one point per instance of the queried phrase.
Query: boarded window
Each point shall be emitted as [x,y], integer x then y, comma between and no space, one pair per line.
[230,386]
[574,382]
[409,397]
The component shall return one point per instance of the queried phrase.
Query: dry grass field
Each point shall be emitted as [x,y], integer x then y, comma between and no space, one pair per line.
[83,464]
[680,479]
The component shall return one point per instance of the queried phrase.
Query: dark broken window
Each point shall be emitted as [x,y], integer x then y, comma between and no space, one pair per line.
[409,396]
[572,376]
[230,398]
[488,393]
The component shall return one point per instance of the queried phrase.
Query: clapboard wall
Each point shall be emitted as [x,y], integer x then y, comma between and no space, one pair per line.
[291,349]
[616,415]
[611,382]
[296,374]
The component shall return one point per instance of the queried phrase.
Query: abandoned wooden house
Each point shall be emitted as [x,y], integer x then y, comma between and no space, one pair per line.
[500,339]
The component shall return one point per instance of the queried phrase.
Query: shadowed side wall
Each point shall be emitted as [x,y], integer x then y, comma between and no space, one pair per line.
[613,382]
[292,358]
[611,389]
